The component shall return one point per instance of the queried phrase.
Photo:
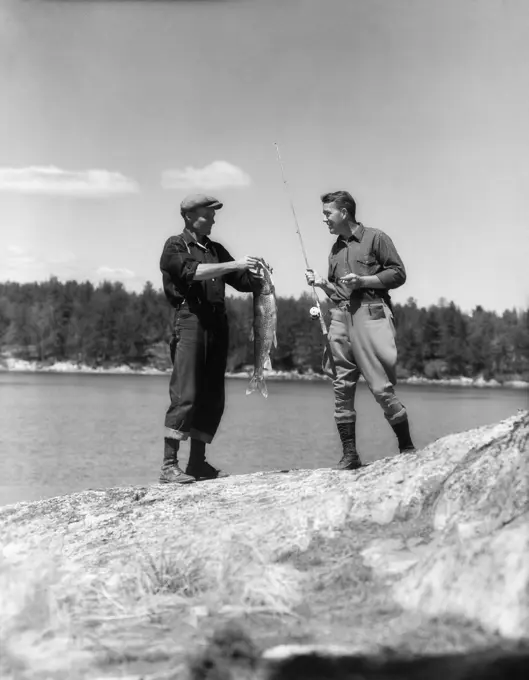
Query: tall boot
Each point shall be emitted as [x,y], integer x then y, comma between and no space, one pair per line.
[350,459]
[171,473]
[402,430]
[198,466]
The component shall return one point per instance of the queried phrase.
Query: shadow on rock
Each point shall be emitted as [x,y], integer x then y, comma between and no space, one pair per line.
[232,655]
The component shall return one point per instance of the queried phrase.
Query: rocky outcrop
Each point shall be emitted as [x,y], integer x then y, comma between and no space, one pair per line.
[444,531]
[476,563]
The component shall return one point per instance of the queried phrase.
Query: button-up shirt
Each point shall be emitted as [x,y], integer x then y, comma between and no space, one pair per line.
[366,252]
[179,261]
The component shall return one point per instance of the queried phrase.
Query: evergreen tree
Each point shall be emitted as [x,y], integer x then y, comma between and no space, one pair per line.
[55,321]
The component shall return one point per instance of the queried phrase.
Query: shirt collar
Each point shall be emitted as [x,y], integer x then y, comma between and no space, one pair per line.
[190,239]
[356,234]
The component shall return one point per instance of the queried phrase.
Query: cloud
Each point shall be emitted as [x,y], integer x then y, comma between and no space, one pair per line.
[117,273]
[53,181]
[65,257]
[216,175]
[20,261]
[18,258]
[20,264]
[15,250]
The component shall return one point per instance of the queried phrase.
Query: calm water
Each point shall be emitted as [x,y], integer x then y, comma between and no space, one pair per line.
[64,433]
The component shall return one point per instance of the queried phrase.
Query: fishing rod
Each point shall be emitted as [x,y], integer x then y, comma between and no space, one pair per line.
[323,325]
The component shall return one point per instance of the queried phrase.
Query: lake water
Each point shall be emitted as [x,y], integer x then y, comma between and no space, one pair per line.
[65,433]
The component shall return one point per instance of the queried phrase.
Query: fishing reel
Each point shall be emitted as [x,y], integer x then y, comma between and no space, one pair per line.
[314,313]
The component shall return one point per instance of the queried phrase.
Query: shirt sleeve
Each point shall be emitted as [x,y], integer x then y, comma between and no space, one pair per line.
[393,273]
[178,263]
[242,281]
[330,271]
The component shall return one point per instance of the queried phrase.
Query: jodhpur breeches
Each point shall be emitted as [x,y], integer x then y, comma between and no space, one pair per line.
[363,342]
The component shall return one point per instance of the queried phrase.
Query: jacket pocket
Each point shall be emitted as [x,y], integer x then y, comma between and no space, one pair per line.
[367,265]
[376,312]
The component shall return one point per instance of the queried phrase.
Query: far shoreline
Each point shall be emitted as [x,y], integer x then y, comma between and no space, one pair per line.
[11,365]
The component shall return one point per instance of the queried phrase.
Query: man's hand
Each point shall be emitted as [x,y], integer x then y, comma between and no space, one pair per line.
[254,265]
[352,280]
[312,278]
[251,263]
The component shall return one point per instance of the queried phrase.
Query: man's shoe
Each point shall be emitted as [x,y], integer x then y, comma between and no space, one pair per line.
[402,431]
[174,475]
[204,470]
[197,464]
[350,459]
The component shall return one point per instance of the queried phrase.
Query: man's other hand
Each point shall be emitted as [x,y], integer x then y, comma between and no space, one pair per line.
[352,280]
[312,278]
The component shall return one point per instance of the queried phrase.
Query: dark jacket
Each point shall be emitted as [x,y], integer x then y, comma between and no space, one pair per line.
[179,261]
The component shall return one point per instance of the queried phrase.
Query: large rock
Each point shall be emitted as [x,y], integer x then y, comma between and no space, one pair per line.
[485,578]
[127,552]
[490,488]
[477,562]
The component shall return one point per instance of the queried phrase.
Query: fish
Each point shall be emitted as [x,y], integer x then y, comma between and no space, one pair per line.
[263,331]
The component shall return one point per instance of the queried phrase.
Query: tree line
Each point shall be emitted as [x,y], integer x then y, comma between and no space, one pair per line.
[106,325]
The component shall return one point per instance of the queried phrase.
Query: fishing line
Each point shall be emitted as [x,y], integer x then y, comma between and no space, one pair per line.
[323,325]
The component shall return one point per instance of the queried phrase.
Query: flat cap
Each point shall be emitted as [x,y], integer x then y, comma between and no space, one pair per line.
[194,201]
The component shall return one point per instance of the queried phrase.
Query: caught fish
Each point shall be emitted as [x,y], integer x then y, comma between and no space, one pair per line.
[263,331]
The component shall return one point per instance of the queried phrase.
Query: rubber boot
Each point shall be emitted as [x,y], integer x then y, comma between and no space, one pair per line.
[402,430]
[350,459]
[171,473]
[198,467]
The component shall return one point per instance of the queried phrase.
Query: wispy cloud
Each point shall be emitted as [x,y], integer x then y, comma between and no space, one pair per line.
[18,258]
[53,181]
[63,257]
[19,264]
[23,265]
[115,273]
[15,250]
[216,175]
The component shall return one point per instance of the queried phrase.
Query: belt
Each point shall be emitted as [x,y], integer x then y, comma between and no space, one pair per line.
[203,305]
[345,304]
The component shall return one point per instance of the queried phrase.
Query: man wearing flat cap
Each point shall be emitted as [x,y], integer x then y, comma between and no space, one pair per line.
[195,271]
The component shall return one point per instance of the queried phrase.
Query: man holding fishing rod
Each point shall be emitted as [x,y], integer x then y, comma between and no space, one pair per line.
[195,271]
[363,266]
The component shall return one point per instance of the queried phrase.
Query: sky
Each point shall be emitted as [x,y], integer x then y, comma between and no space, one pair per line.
[112,111]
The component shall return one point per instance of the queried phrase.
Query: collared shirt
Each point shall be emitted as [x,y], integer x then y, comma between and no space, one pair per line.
[366,252]
[179,261]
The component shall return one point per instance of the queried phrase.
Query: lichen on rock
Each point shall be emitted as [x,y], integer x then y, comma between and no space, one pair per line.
[413,540]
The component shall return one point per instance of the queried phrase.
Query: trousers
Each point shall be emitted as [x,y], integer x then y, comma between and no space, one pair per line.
[362,342]
[199,350]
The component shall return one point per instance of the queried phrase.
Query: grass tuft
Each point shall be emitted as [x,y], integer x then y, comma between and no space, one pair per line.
[59,620]
[37,634]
